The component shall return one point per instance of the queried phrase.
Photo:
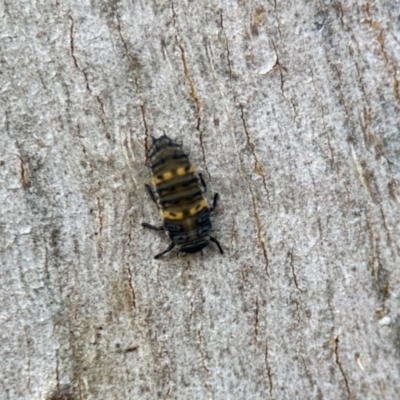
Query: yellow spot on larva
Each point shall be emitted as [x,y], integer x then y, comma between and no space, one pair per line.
[167,176]
[174,215]
[199,207]
[185,170]
[161,178]
[157,179]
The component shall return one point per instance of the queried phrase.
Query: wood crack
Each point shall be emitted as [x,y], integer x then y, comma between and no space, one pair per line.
[331,149]
[293,271]
[341,369]
[99,234]
[132,289]
[85,75]
[259,231]
[204,363]
[268,367]
[146,129]
[24,173]
[74,58]
[192,89]
[228,54]
[257,166]
[256,320]
[133,64]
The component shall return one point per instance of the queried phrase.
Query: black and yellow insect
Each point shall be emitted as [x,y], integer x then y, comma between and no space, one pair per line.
[179,194]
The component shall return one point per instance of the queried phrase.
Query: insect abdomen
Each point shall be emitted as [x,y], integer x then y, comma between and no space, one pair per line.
[178,190]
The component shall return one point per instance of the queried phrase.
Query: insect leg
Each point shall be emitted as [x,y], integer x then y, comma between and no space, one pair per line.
[203,182]
[170,247]
[154,228]
[217,243]
[151,193]
[215,201]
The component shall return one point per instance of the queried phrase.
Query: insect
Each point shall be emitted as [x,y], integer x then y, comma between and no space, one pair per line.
[179,194]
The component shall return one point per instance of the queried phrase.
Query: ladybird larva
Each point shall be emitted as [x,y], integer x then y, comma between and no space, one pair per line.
[179,194]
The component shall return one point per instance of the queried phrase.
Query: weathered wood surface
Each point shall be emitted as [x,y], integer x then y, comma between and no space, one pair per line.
[291,110]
